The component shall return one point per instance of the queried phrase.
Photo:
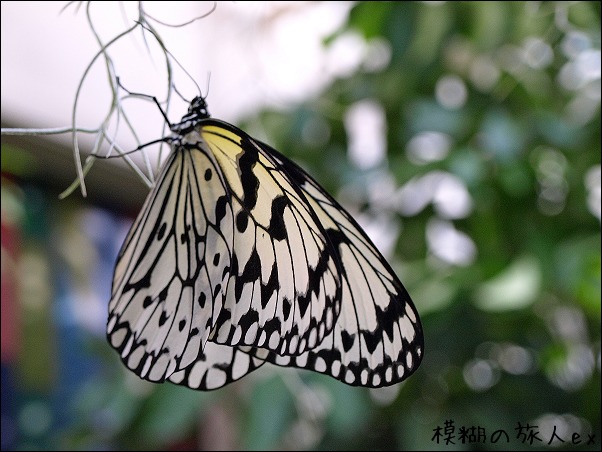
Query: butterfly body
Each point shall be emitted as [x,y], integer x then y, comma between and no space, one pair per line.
[238,257]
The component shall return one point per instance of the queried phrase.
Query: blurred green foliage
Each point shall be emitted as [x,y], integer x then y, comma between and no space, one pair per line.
[512,316]
[512,335]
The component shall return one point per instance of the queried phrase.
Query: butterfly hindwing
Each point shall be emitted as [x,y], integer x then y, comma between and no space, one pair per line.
[377,339]
[217,366]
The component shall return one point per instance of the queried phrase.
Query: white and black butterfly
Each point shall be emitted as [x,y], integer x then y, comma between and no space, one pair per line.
[238,257]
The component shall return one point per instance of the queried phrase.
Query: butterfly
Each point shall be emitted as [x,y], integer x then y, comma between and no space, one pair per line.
[239,257]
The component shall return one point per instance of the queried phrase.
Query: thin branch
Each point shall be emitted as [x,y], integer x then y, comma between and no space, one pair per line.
[182,24]
[51,131]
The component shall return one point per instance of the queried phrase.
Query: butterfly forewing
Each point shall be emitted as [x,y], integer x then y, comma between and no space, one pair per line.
[283,291]
[169,273]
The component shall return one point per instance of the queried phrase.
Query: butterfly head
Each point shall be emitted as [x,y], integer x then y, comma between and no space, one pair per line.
[197,111]
[198,108]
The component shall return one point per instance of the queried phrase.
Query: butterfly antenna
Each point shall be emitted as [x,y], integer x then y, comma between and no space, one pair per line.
[172,56]
[208,83]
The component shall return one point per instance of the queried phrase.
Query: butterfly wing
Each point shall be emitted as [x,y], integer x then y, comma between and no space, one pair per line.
[377,339]
[170,271]
[215,367]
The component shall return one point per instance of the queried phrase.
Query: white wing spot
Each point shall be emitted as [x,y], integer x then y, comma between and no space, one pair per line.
[274,340]
[349,377]
[388,374]
[320,365]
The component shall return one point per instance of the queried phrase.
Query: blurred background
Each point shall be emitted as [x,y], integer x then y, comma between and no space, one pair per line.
[464,136]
